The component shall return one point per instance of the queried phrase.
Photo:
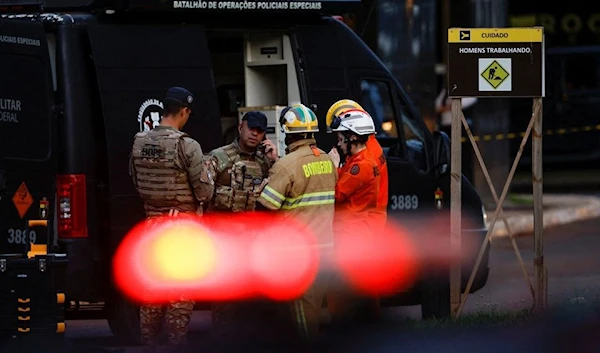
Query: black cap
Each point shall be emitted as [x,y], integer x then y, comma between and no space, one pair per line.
[256,120]
[180,96]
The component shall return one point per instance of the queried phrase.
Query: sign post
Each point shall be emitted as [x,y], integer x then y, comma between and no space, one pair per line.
[496,63]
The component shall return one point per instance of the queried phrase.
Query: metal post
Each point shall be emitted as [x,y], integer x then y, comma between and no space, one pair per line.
[455,205]
[541,285]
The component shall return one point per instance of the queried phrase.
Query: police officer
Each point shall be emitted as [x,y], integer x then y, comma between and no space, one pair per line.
[302,184]
[356,197]
[172,176]
[241,169]
[242,165]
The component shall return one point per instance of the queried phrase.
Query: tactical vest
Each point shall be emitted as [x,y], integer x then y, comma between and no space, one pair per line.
[162,181]
[239,181]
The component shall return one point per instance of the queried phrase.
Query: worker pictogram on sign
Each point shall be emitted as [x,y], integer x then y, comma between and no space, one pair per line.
[495,75]
[22,199]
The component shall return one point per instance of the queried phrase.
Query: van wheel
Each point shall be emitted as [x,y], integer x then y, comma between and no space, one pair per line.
[123,319]
[435,294]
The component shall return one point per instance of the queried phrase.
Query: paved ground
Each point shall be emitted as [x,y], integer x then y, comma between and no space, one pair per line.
[571,256]
[558,209]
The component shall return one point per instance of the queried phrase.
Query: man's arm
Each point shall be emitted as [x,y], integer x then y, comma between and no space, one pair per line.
[200,169]
[274,193]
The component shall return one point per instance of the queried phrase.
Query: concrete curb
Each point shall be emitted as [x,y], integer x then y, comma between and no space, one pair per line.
[559,209]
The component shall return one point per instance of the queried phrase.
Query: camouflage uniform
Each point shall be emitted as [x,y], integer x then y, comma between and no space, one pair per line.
[176,315]
[239,180]
[170,173]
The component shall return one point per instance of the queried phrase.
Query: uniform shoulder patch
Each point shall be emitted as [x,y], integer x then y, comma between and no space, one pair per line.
[222,157]
[355,169]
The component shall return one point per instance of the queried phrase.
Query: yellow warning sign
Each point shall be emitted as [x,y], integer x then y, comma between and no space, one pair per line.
[496,35]
[22,199]
[495,74]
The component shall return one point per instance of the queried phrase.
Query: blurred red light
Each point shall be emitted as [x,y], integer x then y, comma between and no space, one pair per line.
[376,264]
[284,260]
[216,257]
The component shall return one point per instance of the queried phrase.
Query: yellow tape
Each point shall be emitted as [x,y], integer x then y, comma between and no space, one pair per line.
[514,135]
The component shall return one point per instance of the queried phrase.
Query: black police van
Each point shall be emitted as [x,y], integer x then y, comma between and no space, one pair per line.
[79,80]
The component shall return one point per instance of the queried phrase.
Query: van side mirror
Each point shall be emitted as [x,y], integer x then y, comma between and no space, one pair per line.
[441,153]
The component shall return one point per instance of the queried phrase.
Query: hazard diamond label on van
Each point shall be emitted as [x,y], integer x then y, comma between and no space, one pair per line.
[22,200]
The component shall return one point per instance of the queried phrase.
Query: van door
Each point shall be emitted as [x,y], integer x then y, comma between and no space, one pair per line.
[322,72]
[27,135]
[134,73]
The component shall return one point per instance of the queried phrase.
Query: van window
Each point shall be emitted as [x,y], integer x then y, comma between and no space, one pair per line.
[377,100]
[25,131]
[414,140]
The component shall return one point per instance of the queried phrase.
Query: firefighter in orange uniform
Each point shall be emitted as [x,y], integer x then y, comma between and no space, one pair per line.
[337,109]
[356,197]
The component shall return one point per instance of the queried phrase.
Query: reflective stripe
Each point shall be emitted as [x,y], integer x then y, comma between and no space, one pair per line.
[299,129]
[301,319]
[272,196]
[310,199]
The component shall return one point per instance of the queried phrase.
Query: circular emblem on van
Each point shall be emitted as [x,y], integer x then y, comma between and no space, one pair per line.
[150,114]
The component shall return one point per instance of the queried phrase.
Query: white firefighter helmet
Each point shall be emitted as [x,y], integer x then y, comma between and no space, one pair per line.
[354,120]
